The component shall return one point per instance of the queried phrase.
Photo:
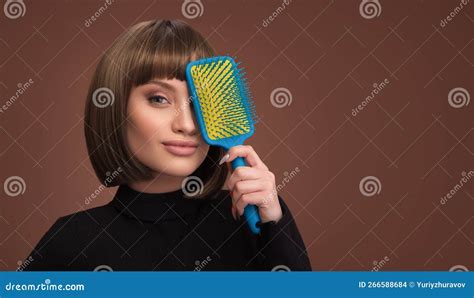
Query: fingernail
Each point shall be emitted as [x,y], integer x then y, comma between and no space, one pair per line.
[224,159]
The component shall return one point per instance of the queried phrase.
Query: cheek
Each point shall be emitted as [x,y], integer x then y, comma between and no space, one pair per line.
[204,149]
[144,128]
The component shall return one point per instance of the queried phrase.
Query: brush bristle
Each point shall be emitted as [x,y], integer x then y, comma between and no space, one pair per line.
[224,98]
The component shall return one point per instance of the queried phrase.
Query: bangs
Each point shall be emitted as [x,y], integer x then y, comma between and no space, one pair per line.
[163,51]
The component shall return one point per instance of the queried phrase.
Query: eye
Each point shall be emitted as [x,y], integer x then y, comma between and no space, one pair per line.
[158,99]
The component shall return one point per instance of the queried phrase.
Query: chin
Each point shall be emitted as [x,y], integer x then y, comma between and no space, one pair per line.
[181,167]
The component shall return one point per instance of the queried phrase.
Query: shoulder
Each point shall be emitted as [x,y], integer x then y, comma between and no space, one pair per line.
[63,241]
[72,228]
[96,216]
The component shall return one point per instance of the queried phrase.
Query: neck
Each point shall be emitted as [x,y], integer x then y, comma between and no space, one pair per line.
[159,184]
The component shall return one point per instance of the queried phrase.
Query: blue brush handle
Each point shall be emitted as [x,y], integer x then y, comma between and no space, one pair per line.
[250,211]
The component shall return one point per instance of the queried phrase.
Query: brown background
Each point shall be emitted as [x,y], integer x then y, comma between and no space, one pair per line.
[329,57]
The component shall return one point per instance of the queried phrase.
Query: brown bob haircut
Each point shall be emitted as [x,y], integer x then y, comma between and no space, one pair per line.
[147,50]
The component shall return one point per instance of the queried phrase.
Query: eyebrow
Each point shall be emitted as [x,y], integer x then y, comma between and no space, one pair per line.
[163,84]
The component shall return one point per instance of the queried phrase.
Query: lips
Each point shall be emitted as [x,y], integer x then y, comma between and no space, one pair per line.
[180,147]
[181,143]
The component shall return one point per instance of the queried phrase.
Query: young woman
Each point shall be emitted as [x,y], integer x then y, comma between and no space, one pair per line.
[142,136]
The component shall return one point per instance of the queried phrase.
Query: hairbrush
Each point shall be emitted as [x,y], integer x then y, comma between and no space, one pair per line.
[224,110]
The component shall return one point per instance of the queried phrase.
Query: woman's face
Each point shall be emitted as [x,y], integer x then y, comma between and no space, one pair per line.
[162,131]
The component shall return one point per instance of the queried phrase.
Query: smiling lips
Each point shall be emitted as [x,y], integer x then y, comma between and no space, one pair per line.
[181,148]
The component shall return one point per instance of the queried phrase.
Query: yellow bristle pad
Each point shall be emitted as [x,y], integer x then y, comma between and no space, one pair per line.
[220,99]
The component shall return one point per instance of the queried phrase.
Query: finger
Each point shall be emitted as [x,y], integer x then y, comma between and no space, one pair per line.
[255,198]
[248,186]
[234,212]
[247,152]
[243,173]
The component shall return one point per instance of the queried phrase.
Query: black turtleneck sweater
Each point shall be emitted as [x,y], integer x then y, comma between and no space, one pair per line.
[168,231]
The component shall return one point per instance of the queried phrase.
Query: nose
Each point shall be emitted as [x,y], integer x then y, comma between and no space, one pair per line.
[184,121]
